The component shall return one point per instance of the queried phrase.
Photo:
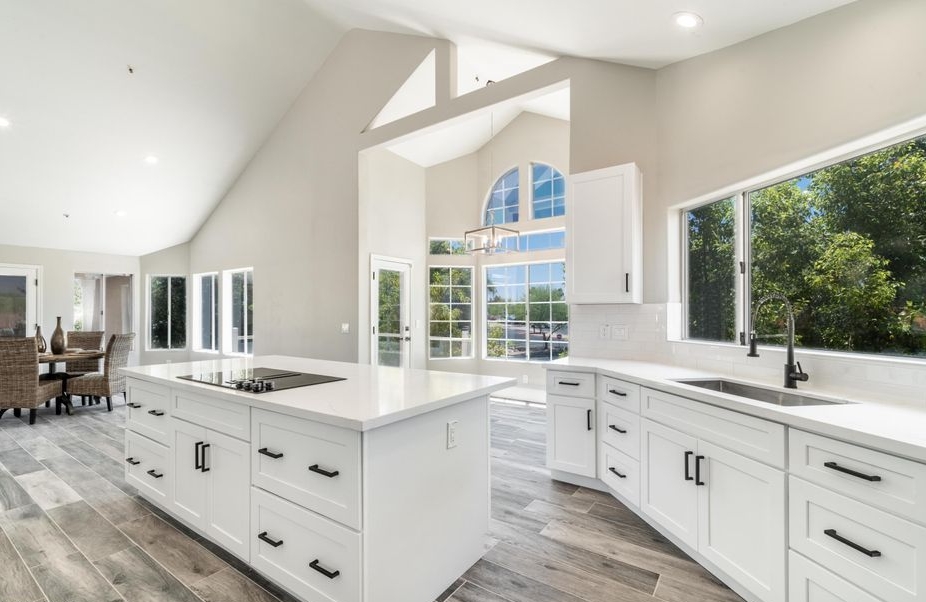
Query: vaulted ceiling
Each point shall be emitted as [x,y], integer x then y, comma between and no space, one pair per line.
[128,121]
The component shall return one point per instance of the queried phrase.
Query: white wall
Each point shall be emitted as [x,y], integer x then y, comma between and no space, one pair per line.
[172,261]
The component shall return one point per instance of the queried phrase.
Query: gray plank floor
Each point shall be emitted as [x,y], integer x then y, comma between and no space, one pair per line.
[72,530]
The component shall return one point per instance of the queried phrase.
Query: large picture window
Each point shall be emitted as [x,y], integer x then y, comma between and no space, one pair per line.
[167,312]
[451,312]
[846,244]
[526,312]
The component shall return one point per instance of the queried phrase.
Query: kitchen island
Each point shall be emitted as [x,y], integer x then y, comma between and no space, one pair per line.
[371,488]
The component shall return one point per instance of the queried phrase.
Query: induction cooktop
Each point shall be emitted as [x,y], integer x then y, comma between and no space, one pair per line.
[260,380]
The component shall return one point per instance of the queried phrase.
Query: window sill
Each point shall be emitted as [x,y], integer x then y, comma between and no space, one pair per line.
[157,350]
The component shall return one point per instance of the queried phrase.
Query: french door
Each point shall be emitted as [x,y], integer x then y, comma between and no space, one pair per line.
[18,300]
[389,313]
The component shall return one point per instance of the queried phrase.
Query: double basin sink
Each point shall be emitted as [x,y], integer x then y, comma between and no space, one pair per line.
[755,393]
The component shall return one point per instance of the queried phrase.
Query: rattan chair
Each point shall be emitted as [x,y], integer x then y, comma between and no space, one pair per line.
[20,387]
[110,382]
[91,340]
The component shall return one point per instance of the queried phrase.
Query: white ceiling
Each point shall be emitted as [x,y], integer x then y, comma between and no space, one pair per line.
[212,78]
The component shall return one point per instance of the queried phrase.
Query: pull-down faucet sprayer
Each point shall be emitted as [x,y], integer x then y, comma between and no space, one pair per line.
[793,372]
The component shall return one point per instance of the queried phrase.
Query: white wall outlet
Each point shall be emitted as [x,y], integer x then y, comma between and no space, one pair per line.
[525,380]
[604,331]
[452,434]
[345,327]
[620,332]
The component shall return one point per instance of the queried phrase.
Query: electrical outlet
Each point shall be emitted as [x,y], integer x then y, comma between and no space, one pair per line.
[524,379]
[620,332]
[604,331]
[452,434]
[345,327]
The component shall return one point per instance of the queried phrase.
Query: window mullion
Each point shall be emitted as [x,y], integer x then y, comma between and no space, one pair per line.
[742,266]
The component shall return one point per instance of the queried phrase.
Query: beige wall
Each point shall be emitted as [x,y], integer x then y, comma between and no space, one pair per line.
[172,261]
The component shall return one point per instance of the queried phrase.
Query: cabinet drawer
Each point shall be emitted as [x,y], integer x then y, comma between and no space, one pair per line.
[319,467]
[619,429]
[621,473]
[620,393]
[145,461]
[219,415]
[752,437]
[308,541]
[809,582]
[894,484]
[879,552]
[148,410]
[573,384]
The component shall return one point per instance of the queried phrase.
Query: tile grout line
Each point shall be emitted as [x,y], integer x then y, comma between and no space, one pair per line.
[23,560]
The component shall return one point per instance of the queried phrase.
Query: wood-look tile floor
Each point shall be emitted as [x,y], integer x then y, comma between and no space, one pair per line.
[72,530]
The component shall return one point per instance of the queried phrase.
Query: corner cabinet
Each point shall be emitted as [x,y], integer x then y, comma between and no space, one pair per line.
[604,230]
[571,439]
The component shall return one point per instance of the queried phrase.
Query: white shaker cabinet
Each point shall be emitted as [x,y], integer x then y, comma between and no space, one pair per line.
[571,438]
[604,232]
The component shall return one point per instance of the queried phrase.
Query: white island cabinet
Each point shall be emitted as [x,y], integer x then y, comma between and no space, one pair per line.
[374,488]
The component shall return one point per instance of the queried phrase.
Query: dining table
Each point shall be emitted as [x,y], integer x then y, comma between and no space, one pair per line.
[69,355]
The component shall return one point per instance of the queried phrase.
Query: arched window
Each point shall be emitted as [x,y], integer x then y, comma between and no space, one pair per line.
[549,191]
[503,200]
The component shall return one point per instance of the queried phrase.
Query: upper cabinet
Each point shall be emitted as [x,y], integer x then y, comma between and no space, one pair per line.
[604,234]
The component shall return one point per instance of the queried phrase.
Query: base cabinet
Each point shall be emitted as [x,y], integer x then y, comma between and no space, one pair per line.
[668,492]
[571,440]
[809,582]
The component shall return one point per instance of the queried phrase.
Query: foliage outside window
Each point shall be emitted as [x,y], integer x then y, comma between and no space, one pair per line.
[847,245]
[241,307]
[446,246]
[13,305]
[451,308]
[549,191]
[167,312]
[711,275]
[207,306]
[502,207]
[526,312]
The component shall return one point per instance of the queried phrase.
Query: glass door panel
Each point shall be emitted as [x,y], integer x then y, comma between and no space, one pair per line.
[389,304]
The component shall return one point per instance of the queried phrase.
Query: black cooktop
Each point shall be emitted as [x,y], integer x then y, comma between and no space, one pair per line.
[260,380]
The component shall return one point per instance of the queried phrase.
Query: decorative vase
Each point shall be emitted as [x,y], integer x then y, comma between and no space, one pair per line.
[39,339]
[57,339]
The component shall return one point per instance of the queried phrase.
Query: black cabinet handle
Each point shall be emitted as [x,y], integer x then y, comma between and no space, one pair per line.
[269,454]
[698,480]
[155,474]
[688,455]
[331,575]
[567,383]
[861,475]
[263,537]
[205,468]
[321,471]
[197,463]
[156,412]
[588,419]
[133,461]
[615,428]
[627,282]
[870,553]
[616,392]
[614,470]
[134,406]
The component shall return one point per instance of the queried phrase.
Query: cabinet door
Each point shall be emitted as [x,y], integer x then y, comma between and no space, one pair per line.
[741,520]
[228,500]
[571,435]
[668,492]
[190,482]
[604,228]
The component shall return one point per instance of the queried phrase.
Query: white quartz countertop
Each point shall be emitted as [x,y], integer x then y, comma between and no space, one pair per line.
[896,429]
[369,397]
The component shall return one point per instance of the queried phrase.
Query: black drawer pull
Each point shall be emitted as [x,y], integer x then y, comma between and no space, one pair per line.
[133,461]
[567,383]
[263,537]
[615,428]
[861,475]
[698,480]
[322,471]
[614,470]
[155,474]
[269,454]
[688,476]
[134,406]
[616,392]
[156,412]
[870,553]
[314,564]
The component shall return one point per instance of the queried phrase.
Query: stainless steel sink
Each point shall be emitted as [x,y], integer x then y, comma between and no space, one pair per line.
[780,398]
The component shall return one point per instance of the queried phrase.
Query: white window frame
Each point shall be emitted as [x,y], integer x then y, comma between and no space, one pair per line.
[33,273]
[530,185]
[227,340]
[170,347]
[216,312]
[472,315]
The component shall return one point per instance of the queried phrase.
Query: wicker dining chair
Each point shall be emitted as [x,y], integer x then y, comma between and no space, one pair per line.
[20,387]
[89,340]
[111,382]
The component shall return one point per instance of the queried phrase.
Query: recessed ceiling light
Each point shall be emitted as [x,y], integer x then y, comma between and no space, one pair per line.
[151,160]
[4,122]
[687,20]
[120,213]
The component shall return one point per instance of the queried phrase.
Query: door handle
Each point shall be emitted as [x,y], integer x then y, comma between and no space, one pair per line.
[588,419]
[698,480]
[197,463]
[204,448]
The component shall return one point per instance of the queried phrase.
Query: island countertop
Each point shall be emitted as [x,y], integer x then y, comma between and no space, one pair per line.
[369,397]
